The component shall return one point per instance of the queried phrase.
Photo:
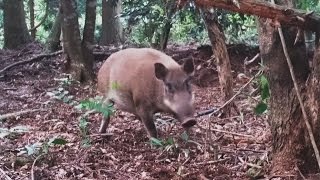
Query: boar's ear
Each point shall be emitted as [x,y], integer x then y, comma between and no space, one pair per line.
[188,66]
[160,71]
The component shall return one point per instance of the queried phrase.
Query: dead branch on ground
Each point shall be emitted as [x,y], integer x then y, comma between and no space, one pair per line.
[33,59]
[19,113]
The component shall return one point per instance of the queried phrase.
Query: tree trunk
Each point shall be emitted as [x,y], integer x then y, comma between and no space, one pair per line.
[171,8]
[291,145]
[88,32]
[77,65]
[14,22]
[111,27]
[31,12]
[221,56]
[53,40]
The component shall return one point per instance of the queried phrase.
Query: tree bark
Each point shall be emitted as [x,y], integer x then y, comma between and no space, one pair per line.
[15,27]
[111,27]
[77,65]
[31,14]
[53,40]
[171,8]
[291,144]
[221,56]
[88,32]
[265,9]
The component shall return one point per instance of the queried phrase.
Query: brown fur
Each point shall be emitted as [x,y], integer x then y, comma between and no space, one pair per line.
[128,79]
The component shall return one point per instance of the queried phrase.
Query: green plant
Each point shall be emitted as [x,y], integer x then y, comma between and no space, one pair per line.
[265,95]
[61,93]
[97,105]
[39,148]
[84,131]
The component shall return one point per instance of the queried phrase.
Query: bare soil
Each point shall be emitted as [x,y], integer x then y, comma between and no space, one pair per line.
[237,147]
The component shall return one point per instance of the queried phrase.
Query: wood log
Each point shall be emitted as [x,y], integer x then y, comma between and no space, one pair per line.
[282,14]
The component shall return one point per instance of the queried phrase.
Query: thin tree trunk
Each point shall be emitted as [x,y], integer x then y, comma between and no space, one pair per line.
[221,57]
[88,32]
[53,40]
[14,22]
[31,9]
[76,63]
[111,27]
[171,8]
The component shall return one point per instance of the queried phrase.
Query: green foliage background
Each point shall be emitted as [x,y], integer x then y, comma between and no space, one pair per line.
[143,20]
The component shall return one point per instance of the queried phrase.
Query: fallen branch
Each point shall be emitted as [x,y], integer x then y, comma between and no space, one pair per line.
[19,113]
[212,162]
[33,59]
[232,133]
[6,177]
[215,110]
[304,113]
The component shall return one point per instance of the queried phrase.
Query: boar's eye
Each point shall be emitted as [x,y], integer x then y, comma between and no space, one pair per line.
[169,87]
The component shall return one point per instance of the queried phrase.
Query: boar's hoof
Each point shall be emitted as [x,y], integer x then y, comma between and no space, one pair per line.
[189,123]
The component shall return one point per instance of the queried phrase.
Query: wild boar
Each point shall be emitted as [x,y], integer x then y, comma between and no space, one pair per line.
[144,81]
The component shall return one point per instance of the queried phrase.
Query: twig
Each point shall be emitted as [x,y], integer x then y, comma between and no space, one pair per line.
[6,177]
[304,113]
[212,162]
[14,114]
[252,60]
[249,164]
[302,176]
[215,110]
[232,133]
[33,164]
[101,135]
[33,59]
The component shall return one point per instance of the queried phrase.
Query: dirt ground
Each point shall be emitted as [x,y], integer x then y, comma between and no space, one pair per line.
[236,147]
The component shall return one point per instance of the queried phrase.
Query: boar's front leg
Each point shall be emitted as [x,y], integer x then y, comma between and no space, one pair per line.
[147,118]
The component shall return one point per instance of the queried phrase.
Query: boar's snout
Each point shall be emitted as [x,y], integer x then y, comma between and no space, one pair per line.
[189,122]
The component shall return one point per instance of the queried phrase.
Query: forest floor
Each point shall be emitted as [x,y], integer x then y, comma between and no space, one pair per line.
[236,147]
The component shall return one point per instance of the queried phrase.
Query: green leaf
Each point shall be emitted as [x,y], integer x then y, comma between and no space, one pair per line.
[261,108]
[155,141]
[58,141]
[264,86]
[185,136]
[170,141]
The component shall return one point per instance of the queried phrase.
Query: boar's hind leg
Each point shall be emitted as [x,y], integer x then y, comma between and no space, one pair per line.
[104,124]
[146,118]
[105,121]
